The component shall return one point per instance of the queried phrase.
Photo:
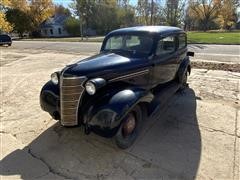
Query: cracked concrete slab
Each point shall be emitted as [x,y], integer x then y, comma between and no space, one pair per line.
[20,162]
[238,123]
[195,136]
[236,165]
[184,147]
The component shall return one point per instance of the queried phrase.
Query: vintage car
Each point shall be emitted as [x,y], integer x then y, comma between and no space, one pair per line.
[137,70]
[5,40]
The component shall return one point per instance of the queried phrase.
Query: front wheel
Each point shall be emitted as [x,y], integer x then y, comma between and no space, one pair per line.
[129,128]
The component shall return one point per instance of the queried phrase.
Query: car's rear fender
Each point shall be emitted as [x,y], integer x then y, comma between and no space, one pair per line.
[184,67]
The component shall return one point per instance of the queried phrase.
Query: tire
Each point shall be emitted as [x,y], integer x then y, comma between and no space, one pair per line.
[124,140]
[183,81]
[9,44]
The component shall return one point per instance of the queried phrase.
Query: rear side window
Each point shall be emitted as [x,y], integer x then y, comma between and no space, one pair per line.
[166,45]
[132,41]
[182,41]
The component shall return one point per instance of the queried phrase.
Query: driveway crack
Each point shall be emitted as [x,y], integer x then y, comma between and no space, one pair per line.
[51,170]
[235,148]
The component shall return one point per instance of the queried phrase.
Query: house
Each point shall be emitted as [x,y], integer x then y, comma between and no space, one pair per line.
[54,26]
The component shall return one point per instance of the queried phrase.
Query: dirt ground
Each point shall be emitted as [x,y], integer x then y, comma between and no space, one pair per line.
[196,136]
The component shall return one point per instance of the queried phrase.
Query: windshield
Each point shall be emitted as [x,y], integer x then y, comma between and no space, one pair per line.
[135,44]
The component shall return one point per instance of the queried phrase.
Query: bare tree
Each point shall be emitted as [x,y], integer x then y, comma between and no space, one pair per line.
[174,12]
[205,10]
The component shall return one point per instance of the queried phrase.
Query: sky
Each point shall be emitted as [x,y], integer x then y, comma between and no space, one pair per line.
[65,3]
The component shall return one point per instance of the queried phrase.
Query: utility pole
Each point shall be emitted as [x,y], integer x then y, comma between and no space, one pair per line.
[81,27]
[151,20]
[80,15]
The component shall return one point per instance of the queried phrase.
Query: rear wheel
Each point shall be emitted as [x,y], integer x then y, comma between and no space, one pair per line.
[129,128]
[183,81]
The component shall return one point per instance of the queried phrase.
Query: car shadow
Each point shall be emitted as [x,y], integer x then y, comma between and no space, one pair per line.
[168,147]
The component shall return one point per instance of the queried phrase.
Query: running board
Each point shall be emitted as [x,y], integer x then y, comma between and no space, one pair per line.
[161,95]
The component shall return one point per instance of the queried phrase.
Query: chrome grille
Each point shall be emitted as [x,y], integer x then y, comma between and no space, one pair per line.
[71,90]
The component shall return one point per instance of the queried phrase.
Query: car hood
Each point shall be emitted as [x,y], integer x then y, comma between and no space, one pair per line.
[105,64]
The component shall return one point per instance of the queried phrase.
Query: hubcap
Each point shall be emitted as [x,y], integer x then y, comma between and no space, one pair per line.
[129,125]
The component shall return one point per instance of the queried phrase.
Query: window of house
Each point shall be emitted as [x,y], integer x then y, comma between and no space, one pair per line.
[166,45]
[51,31]
[182,41]
[59,31]
[45,31]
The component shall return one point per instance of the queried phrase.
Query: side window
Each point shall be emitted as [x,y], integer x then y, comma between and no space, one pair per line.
[132,41]
[114,42]
[166,45]
[182,41]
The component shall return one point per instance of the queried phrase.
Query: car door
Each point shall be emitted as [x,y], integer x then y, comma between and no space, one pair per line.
[166,60]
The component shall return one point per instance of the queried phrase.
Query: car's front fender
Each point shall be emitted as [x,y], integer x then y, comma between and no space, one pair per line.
[49,99]
[110,113]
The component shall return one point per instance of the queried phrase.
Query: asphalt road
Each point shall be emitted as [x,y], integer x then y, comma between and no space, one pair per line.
[222,53]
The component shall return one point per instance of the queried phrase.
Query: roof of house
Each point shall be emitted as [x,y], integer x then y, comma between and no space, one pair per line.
[148,29]
[57,19]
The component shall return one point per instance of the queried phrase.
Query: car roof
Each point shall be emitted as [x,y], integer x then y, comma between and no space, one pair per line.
[4,35]
[161,30]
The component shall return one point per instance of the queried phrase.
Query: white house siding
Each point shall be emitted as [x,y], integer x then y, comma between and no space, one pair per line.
[54,31]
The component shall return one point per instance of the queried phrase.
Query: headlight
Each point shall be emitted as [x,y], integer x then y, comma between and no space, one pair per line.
[54,78]
[90,88]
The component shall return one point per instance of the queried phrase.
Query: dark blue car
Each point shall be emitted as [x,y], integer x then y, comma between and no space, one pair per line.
[137,70]
[5,40]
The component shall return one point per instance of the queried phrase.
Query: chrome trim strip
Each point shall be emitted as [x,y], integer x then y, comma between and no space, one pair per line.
[130,75]
[67,94]
[70,101]
[73,86]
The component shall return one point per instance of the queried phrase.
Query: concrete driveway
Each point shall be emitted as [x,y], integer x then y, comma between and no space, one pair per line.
[195,136]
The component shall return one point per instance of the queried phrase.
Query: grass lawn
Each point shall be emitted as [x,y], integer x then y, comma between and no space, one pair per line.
[214,37]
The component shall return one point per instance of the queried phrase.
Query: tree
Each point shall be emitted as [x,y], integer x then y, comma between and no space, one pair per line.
[150,12]
[16,14]
[227,16]
[126,16]
[20,20]
[19,4]
[5,26]
[59,9]
[174,12]
[143,11]
[40,10]
[84,9]
[72,26]
[105,17]
[205,11]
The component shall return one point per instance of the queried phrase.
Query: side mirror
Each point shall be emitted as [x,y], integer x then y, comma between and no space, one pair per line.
[190,53]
